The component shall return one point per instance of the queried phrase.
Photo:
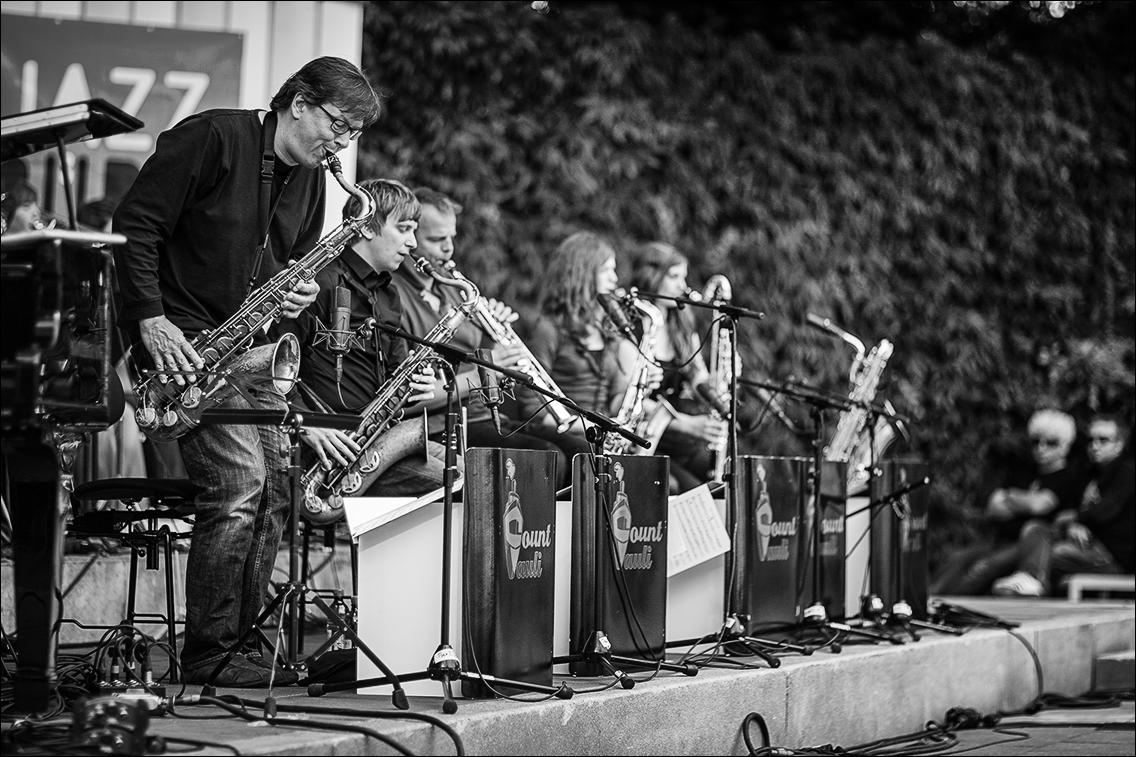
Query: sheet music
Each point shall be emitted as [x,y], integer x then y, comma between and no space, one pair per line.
[367,513]
[696,532]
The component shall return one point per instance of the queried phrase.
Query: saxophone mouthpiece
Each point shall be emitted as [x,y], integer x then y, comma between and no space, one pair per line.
[333,163]
[423,265]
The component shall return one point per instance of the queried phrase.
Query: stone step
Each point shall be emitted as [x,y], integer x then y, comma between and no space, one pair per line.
[1116,670]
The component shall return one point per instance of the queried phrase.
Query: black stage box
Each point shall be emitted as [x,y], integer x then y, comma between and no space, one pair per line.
[899,544]
[769,573]
[619,558]
[508,567]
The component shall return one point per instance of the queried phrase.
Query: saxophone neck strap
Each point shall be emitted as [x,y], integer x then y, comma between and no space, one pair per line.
[266,208]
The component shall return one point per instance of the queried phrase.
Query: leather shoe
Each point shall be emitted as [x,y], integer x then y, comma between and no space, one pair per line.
[239,673]
[284,676]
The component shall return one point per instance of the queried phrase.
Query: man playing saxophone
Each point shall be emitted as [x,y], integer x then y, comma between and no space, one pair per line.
[424,304]
[343,376]
[225,201]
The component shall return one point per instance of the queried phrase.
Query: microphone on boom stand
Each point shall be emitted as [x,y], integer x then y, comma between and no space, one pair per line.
[490,388]
[614,311]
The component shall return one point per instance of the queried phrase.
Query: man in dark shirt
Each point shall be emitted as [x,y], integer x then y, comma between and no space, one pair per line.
[425,302]
[1025,492]
[346,383]
[1096,536]
[197,246]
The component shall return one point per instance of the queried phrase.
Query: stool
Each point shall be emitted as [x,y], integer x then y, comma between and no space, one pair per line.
[1079,583]
[169,498]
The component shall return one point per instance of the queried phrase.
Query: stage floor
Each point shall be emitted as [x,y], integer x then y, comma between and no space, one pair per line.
[866,692]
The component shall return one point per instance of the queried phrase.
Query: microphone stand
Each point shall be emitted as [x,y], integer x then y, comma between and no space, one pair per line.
[733,628]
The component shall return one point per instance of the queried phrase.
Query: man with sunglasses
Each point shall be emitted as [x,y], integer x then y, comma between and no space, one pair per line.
[1028,490]
[1094,537]
[228,198]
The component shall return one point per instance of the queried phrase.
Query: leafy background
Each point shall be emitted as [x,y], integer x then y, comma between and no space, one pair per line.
[955,178]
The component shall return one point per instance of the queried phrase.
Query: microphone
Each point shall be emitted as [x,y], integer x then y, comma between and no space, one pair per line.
[491,390]
[612,307]
[339,340]
[711,398]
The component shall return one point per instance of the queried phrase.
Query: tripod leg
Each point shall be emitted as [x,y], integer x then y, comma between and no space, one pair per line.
[281,596]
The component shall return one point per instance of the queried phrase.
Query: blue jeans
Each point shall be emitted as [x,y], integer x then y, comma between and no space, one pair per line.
[236,536]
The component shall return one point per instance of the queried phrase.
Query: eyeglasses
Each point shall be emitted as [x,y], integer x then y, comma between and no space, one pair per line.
[1044,441]
[340,126]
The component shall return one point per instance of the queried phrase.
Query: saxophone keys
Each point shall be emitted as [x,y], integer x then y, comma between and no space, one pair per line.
[351,482]
[169,418]
[191,397]
[370,461]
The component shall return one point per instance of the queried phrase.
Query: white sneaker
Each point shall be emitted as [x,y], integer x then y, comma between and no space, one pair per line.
[1020,584]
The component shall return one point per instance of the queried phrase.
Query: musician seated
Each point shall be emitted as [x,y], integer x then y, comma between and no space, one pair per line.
[343,372]
[574,338]
[692,434]
[425,301]
[20,210]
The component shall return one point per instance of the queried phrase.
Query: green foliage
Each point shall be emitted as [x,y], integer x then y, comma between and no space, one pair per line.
[974,206]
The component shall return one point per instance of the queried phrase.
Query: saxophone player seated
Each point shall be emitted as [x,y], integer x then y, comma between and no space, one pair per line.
[341,373]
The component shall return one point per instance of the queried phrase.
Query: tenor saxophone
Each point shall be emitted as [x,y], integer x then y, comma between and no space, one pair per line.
[502,333]
[380,436]
[852,433]
[168,411]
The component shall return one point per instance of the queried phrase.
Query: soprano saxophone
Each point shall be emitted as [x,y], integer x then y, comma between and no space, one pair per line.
[503,333]
[382,439]
[167,411]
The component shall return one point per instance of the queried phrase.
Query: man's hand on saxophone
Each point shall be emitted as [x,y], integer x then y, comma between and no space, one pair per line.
[168,348]
[302,295]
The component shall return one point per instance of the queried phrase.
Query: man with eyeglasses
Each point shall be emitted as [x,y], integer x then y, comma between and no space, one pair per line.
[1029,490]
[1094,537]
[228,198]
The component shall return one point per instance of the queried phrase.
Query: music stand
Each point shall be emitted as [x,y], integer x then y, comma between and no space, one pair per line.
[445,665]
[294,589]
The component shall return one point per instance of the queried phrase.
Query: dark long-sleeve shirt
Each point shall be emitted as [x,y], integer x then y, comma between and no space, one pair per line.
[591,379]
[191,222]
[368,364]
[1108,508]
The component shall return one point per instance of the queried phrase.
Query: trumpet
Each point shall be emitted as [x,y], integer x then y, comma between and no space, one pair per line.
[502,333]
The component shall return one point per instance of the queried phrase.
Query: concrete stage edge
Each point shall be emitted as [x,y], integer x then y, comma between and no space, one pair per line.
[866,692]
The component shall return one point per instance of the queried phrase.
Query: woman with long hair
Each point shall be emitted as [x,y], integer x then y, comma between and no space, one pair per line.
[660,268]
[573,338]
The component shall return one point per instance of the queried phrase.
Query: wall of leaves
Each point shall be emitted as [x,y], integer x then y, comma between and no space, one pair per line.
[974,205]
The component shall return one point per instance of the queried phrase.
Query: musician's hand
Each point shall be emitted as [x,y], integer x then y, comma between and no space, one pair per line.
[169,348]
[422,383]
[702,427]
[501,311]
[654,376]
[1079,534]
[508,355]
[300,297]
[331,445]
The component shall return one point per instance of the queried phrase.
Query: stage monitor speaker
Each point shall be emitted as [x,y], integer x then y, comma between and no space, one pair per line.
[899,545]
[509,567]
[619,558]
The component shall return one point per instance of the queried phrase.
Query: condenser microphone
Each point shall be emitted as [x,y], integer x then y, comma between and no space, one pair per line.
[711,398]
[615,312]
[491,390]
[339,337]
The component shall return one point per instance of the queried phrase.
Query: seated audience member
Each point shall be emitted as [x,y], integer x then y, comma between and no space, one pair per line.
[1095,537]
[1031,490]
[20,210]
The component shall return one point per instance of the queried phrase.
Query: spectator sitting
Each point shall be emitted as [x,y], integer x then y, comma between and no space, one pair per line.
[1096,537]
[1026,491]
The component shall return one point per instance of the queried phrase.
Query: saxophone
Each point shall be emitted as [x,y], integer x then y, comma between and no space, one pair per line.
[503,333]
[168,411]
[724,364]
[382,439]
[632,410]
[852,424]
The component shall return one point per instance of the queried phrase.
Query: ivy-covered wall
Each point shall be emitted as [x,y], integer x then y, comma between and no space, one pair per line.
[971,202]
